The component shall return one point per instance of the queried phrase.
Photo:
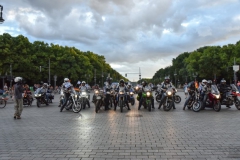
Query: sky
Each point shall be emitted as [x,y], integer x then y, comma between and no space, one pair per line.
[133,35]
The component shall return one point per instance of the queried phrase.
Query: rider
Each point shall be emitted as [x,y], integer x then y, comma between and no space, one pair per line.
[94,96]
[203,91]
[121,85]
[144,85]
[107,88]
[84,87]
[67,88]
[165,85]
[223,89]
[191,91]
[44,89]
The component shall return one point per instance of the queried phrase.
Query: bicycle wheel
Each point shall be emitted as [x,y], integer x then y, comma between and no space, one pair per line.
[2,103]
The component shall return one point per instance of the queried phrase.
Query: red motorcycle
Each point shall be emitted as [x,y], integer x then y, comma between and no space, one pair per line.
[213,99]
[232,97]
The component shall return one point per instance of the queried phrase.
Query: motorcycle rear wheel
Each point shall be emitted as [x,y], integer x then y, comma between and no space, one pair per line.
[217,107]
[158,98]
[197,106]
[177,99]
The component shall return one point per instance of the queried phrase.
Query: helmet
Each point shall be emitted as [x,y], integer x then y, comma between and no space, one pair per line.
[204,81]
[223,81]
[144,83]
[83,83]
[18,79]
[121,81]
[109,80]
[167,79]
[209,82]
[45,84]
[66,80]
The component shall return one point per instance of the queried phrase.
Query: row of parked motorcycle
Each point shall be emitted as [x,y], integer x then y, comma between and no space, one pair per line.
[214,99]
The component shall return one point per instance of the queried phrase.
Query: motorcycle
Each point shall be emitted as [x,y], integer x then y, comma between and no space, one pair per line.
[194,102]
[74,102]
[40,97]
[130,97]
[27,98]
[213,99]
[99,100]
[147,98]
[121,99]
[232,97]
[158,96]
[168,101]
[84,98]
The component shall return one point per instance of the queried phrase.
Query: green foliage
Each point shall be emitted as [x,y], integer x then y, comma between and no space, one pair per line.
[207,62]
[26,59]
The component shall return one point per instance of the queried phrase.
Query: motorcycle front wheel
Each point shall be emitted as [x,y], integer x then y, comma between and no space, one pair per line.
[149,106]
[132,101]
[168,105]
[38,103]
[217,106]
[77,108]
[237,104]
[121,105]
[97,106]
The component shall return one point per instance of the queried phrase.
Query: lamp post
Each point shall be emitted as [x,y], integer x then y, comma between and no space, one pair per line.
[55,79]
[49,75]
[195,75]
[1,18]
[175,75]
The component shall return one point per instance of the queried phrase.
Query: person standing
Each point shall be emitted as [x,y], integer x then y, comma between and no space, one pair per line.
[18,90]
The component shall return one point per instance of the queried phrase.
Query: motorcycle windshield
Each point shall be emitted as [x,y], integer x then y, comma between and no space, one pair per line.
[121,89]
[147,89]
[214,90]
[38,91]
[234,87]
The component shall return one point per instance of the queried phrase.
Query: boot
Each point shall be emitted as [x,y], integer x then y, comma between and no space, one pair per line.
[128,106]
[184,107]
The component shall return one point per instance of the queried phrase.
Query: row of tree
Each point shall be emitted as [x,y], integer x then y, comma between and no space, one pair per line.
[209,62]
[26,58]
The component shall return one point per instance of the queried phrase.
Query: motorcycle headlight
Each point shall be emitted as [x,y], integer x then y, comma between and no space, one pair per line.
[76,96]
[84,93]
[237,91]
[169,93]
[96,92]
[217,96]
[131,93]
[148,94]
[121,92]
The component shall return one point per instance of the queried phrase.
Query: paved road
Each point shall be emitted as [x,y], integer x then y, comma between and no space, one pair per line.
[47,134]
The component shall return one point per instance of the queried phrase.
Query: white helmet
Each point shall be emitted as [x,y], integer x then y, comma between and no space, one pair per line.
[83,82]
[66,79]
[204,81]
[18,79]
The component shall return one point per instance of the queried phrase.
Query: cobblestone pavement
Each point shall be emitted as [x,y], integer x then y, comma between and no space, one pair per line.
[47,134]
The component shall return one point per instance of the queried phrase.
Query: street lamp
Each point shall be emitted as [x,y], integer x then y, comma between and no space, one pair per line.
[1,18]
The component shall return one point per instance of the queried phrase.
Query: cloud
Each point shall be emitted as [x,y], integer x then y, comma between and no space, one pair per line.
[129,33]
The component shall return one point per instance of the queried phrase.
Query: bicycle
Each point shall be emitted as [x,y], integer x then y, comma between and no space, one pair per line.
[3,102]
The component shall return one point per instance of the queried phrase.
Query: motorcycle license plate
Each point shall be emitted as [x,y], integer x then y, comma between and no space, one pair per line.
[98,97]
